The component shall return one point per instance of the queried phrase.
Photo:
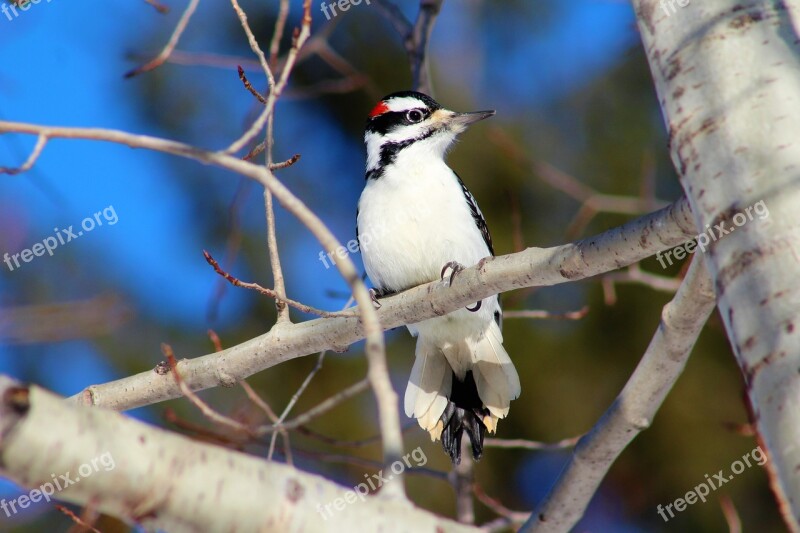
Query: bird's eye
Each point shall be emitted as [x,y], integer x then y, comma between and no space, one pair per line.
[414,116]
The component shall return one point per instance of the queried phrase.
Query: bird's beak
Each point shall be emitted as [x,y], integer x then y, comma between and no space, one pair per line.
[465,119]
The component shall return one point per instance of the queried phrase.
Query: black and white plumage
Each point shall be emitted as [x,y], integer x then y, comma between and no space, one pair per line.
[414,217]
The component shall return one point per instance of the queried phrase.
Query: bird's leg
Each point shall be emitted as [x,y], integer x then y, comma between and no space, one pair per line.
[456,268]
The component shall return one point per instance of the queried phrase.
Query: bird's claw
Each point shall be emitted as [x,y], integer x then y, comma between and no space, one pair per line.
[373,294]
[455,266]
[458,267]
[476,308]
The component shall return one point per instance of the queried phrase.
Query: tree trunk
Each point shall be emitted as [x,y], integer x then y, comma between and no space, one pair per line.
[727,73]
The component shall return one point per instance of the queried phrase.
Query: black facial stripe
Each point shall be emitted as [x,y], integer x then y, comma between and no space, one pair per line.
[386,122]
[389,153]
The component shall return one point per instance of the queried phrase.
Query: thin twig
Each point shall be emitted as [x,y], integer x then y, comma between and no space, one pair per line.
[161,8]
[515,517]
[415,38]
[360,443]
[319,410]
[249,87]
[210,413]
[78,520]
[276,89]
[532,444]
[285,164]
[462,480]
[268,292]
[41,142]
[277,35]
[730,514]
[170,46]
[634,274]
[569,315]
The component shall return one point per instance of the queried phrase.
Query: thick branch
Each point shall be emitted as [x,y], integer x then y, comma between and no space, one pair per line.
[681,322]
[165,481]
[613,249]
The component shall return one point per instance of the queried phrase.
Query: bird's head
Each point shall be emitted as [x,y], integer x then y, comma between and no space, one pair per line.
[410,118]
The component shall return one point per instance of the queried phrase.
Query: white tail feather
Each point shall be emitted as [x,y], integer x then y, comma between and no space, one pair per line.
[427,382]
[495,376]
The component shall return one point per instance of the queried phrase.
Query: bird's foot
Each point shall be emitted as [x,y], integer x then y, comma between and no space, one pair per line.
[457,267]
[374,294]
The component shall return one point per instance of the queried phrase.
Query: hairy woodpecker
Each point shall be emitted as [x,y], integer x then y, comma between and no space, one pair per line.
[416,220]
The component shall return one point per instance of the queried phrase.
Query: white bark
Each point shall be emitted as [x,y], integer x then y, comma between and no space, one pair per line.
[162,480]
[682,319]
[613,249]
[727,73]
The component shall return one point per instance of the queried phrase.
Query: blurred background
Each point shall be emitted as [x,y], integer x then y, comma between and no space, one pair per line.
[576,116]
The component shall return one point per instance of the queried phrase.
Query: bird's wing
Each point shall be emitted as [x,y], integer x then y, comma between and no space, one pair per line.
[480,222]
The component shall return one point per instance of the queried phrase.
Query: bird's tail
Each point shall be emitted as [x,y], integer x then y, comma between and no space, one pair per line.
[446,405]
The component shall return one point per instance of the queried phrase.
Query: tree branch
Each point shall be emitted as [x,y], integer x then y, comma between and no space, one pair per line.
[378,372]
[613,249]
[681,322]
[160,480]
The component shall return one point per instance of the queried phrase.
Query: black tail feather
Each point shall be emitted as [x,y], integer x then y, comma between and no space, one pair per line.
[464,412]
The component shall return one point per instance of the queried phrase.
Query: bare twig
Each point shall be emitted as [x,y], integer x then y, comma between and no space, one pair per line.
[170,46]
[161,8]
[569,315]
[210,413]
[415,38]
[462,479]
[280,25]
[285,164]
[319,410]
[272,240]
[264,406]
[730,514]
[360,443]
[635,274]
[41,142]
[268,292]
[532,444]
[81,523]
[249,87]
[301,390]
[514,517]
[276,88]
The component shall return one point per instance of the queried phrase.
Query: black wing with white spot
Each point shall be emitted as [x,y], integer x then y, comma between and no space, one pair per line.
[477,215]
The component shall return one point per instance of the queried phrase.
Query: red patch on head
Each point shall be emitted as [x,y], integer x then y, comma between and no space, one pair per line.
[379,109]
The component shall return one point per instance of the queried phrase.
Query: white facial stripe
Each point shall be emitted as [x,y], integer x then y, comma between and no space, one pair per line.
[403,104]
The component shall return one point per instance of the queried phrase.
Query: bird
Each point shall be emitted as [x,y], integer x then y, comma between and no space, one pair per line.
[416,221]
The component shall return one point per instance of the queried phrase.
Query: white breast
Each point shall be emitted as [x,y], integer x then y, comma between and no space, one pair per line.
[412,221]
